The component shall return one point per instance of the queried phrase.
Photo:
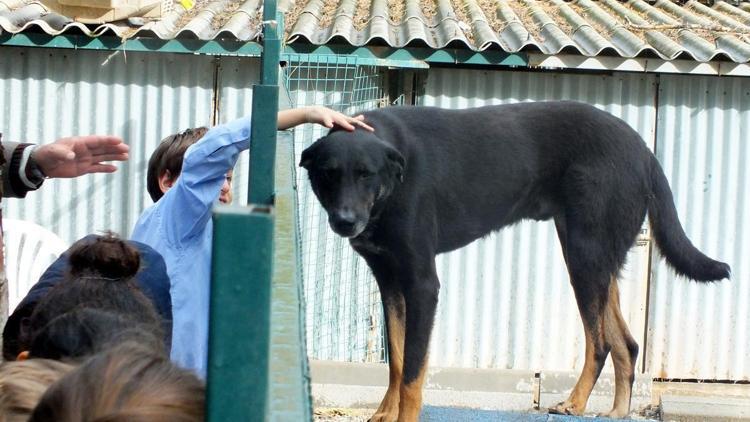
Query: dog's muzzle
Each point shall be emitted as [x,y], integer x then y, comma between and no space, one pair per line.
[345,223]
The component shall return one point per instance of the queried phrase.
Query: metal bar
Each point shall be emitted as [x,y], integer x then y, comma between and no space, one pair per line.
[84,42]
[289,396]
[265,110]
[239,334]
[239,339]
[412,57]
[377,56]
[263,144]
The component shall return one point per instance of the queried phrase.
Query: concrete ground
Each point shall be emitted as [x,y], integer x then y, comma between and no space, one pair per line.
[346,392]
[453,414]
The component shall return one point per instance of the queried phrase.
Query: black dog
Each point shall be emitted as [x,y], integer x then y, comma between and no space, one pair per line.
[430,180]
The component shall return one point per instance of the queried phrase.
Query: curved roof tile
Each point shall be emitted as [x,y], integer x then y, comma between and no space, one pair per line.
[632,28]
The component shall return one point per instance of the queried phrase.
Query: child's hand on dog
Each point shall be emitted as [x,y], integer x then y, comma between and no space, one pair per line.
[330,118]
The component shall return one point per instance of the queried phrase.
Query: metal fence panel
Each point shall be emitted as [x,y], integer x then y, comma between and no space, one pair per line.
[702,330]
[236,78]
[343,311]
[505,300]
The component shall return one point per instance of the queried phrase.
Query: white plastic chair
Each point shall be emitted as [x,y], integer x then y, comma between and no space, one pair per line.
[29,250]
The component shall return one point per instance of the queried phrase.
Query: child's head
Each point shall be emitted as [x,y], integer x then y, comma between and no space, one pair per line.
[22,384]
[126,383]
[84,331]
[165,164]
[97,301]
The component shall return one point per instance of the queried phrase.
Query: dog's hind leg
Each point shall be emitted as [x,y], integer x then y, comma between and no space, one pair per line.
[590,276]
[624,352]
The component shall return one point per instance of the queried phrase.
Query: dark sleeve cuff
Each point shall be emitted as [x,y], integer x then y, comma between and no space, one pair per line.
[23,175]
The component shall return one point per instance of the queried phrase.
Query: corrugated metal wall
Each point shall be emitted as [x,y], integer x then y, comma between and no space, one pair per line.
[236,77]
[50,93]
[694,330]
[505,301]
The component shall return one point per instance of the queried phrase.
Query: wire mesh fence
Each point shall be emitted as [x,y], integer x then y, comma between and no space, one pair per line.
[344,317]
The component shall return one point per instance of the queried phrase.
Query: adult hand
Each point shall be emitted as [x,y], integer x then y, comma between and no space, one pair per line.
[79,155]
[328,118]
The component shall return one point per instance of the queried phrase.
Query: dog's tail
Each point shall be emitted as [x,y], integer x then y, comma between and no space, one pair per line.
[679,252]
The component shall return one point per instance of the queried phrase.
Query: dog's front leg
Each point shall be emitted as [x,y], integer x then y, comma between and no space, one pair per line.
[421,297]
[393,305]
[384,268]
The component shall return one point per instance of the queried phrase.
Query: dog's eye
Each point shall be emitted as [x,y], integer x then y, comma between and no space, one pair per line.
[330,174]
[364,174]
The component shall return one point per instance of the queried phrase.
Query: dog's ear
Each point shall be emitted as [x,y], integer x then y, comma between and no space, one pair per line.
[396,160]
[308,155]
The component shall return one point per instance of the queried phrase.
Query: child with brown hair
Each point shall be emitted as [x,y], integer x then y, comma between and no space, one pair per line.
[23,383]
[125,383]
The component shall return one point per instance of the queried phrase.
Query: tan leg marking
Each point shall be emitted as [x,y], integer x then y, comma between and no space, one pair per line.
[388,409]
[618,336]
[575,404]
[411,397]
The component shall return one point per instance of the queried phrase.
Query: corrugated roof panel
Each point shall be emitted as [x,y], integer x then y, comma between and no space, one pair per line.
[628,29]
[587,39]
[636,28]
[708,36]
[206,21]
[512,33]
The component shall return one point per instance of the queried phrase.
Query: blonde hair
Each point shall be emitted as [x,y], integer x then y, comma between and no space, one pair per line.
[128,383]
[22,384]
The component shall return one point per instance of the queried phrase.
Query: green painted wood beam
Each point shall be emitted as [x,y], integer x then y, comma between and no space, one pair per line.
[239,347]
[263,144]
[289,395]
[240,309]
[265,110]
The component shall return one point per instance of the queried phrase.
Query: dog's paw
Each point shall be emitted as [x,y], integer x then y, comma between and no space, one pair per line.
[384,417]
[566,408]
[614,414]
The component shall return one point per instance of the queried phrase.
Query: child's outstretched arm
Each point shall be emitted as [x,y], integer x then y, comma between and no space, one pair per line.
[320,115]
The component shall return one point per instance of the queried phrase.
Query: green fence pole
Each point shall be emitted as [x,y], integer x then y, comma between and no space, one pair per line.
[263,144]
[242,263]
[265,109]
[239,330]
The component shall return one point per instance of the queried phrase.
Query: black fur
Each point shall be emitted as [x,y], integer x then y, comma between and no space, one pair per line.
[469,172]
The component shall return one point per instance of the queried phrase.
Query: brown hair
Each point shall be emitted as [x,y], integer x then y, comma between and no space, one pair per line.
[65,324]
[168,157]
[106,255]
[22,384]
[127,383]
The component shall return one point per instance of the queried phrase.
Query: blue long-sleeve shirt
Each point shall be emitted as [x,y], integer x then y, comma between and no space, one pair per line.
[179,227]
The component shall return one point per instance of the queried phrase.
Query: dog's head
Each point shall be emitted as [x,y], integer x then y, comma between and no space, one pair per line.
[350,172]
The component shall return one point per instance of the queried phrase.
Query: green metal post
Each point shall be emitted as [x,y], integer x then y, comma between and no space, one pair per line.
[265,109]
[239,331]
[242,263]
[263,144]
